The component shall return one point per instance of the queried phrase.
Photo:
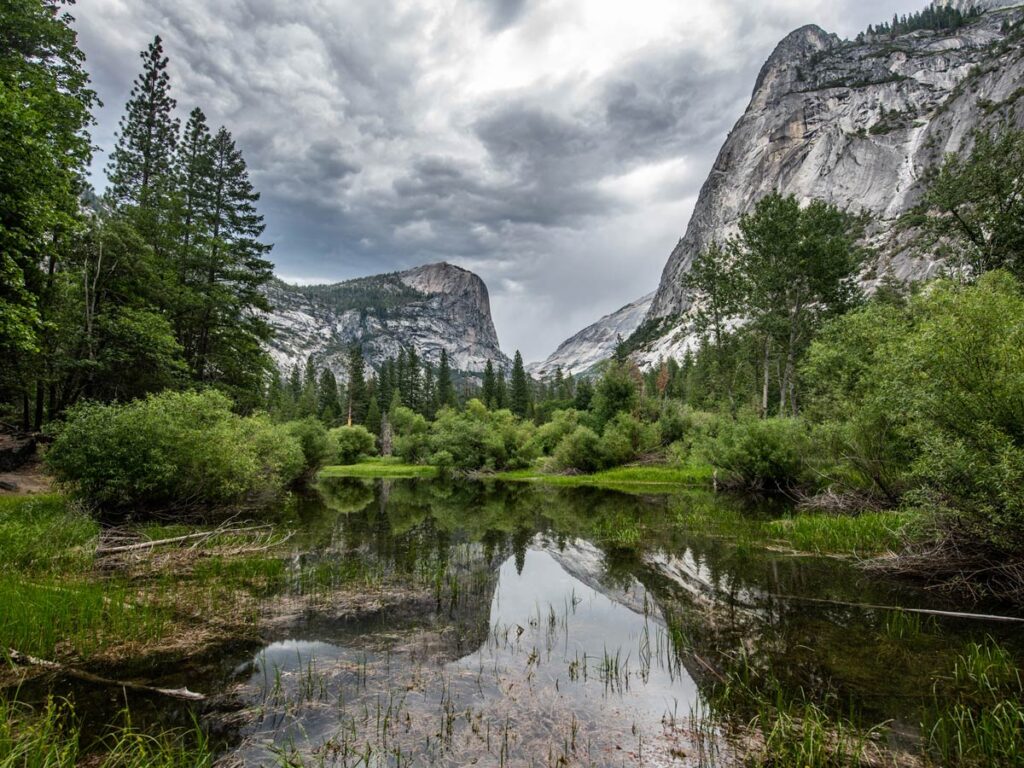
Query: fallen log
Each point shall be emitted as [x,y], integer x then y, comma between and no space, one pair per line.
[23,659]
[176,540]
[924,611]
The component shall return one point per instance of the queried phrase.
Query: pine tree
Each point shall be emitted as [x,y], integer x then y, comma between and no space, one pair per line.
[308,400]
[357,395]
[229,330]
[141,169]
[327,390]
[445,389]
[520,395]
[490,387]
[500,390]
[373,415]
[192,205]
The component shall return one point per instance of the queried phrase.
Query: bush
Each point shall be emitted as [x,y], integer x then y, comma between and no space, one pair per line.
[760,454]
[478,439]
[171,451]
[312,436]
[625,439]
[580,451]
[411,433]
[549,435]
[349,444]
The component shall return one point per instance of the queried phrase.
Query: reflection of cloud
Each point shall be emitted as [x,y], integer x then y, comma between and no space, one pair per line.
[556,145]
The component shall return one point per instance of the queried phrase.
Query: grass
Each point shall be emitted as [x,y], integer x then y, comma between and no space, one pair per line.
[978,714]
[649,478]
[379,468]
[869,533]
[40,534]
[51,738]
[53,617]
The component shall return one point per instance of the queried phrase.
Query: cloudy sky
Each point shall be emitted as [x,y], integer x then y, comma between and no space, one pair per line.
[554,147]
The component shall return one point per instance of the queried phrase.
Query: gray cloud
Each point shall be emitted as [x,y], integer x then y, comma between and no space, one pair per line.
[550,146]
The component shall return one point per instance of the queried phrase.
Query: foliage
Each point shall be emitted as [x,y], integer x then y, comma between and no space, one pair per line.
[761,454]
[867,533]
[979,201]
[616,392]
[626,438]
[580,450]
[477,438]
[349,444]
[313,438]
[172,450]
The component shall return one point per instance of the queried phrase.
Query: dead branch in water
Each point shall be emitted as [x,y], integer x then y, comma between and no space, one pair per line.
[25,660]
[197,537]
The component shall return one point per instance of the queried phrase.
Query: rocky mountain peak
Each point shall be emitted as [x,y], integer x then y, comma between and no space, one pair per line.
[859,124]
[783,68]
[430,308]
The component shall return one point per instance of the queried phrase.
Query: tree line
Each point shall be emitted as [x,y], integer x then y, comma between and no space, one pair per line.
[158,283]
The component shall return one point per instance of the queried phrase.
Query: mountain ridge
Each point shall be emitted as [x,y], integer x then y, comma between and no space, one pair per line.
[426,308]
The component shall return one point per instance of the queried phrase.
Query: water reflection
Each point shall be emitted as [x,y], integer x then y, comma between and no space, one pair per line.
[524,625]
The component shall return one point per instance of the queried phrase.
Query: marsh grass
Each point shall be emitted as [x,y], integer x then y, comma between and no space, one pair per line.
[50,737]
[44,534]
[384,468]
[977,718]
[869,533]
[75,617]
[636,479]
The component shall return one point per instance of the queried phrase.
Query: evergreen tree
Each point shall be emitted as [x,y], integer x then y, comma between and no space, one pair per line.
[489,393]
[229,331]
[192,212]
[358,402]
[373,415]
[327,390]
[519,400]
[584,395]
[141,169]
[309,399]
[500,390]
[445,389]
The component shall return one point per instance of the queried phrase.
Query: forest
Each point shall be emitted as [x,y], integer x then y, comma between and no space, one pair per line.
[885,420]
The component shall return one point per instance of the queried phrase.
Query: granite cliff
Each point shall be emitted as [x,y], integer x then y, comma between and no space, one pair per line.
[430,308]
[859,124]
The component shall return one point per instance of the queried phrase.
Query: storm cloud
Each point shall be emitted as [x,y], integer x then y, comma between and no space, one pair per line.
[555,147]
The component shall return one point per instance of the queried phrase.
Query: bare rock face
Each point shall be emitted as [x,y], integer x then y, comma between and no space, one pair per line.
[579,354]
[858,124]
[430,308]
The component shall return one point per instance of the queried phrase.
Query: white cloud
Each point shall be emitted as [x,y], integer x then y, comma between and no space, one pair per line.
[555,147]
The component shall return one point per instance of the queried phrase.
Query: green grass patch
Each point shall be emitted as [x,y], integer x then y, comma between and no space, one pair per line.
[869,533]
[379,468]
[644,479]
[50,737]
[62,616]
[43,534]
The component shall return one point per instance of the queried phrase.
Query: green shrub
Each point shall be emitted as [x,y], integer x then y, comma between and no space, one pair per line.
[580,451]
[760,454]
[171,451]
[626,438]
[478,439]
[312,436]
[549,435]
[674,422]
[349,444]
[410,435]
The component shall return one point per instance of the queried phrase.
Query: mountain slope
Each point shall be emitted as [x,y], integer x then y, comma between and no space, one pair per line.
[430,308]
[858,124]
[595,343]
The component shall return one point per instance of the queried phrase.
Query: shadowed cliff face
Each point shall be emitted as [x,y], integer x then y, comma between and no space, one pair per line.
[430,308]
[858,125]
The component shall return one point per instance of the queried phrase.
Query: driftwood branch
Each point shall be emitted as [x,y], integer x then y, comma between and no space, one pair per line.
[177,540]
[924,611]
[24,659]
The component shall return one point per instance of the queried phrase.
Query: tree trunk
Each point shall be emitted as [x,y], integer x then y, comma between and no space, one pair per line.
[764,386]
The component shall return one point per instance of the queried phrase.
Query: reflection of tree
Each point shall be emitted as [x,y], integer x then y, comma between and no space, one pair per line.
[345,495]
